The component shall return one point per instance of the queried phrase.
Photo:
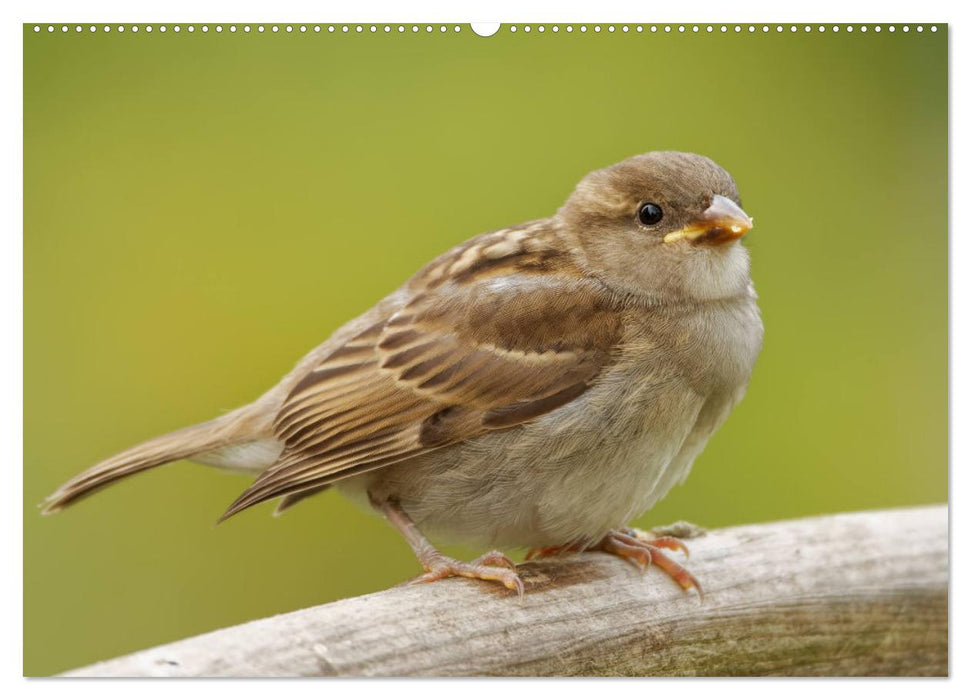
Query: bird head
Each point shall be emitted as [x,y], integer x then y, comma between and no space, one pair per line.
[663,223]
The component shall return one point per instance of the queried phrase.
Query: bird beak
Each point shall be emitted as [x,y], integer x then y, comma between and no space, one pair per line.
[722,222]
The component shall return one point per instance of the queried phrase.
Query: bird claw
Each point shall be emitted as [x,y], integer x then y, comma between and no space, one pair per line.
[496,558]
[493,566]
[662,541]
[643,551]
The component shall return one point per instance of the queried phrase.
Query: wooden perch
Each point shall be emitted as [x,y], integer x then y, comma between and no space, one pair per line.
[855,594]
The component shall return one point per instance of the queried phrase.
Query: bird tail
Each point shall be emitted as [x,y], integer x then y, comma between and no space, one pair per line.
[239,426]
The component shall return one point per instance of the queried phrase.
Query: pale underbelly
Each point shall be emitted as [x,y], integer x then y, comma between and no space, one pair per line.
[524,487]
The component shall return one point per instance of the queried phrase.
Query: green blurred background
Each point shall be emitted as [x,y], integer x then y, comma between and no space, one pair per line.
[202,209]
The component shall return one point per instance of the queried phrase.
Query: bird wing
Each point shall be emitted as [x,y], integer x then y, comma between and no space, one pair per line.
[455,362]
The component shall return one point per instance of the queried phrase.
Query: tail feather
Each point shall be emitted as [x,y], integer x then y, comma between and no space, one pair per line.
[241,425]
[290,500]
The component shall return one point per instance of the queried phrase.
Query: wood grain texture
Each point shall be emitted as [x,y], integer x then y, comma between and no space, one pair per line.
[853,594]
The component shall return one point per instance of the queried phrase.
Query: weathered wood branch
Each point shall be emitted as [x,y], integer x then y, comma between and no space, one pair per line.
[855,594]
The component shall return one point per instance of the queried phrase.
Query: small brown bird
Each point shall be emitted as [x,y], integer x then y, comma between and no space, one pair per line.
[537,386]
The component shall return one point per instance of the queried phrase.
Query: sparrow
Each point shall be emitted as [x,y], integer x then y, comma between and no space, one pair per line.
[537,386]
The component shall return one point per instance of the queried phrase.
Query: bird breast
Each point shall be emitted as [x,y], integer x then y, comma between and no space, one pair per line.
[595,463]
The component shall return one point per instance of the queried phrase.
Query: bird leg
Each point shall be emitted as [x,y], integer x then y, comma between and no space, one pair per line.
[493,566]
[642,550]
[639,548]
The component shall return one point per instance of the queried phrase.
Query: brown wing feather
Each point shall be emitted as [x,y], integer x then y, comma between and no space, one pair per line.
[454,363]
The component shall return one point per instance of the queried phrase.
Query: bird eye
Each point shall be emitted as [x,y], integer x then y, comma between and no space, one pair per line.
[649,214]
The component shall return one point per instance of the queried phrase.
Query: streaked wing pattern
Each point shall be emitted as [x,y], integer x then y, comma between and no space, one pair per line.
[435,373]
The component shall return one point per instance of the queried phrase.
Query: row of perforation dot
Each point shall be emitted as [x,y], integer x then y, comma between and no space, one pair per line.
[694,28]
[738,28]
[258,28]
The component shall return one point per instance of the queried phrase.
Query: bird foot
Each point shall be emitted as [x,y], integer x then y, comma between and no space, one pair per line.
[640,548]
[643,549]
[492,566]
